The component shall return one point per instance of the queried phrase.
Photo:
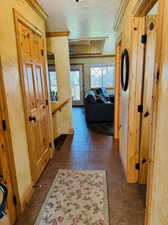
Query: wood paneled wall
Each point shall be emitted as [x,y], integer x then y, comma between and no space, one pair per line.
[125,33]
[158,192]
[159,196]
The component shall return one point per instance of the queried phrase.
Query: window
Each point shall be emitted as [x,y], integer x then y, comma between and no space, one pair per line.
[102,75]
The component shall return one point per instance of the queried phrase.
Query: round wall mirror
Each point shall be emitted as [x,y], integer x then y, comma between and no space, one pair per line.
[3,199]
[125,70]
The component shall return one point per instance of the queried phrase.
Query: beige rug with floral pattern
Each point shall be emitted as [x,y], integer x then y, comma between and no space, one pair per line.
[76,198]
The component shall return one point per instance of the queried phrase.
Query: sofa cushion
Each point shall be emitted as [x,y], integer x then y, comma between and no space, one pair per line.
[103,92]
[90,98]
[102,100]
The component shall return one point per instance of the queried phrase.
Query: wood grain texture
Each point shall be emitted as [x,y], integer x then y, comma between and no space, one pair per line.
[34,90]
[157,160]
[60,105]
[57,34]
[14,101]
[148,86]
[7,167]
[125,31]
[142,7]
[135,98]
[156,212]
[117,92]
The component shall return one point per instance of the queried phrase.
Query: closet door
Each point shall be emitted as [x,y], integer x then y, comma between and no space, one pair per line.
[35,99]
[5,162]
[151,30]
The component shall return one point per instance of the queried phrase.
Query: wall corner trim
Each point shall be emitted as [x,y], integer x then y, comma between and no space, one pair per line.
[38,8]
[57,34]
[120,14]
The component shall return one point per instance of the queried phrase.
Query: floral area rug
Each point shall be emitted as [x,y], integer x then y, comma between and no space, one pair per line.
[76,198]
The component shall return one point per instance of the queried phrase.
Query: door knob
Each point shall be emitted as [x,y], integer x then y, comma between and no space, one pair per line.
[4,191]
[32,118]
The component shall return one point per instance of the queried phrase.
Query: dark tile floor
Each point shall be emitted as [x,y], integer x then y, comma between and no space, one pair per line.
[90,150]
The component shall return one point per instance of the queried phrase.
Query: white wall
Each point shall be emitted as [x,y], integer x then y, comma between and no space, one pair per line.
[62,121]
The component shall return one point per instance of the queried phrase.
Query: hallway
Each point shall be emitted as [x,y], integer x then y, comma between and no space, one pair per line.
[88,150]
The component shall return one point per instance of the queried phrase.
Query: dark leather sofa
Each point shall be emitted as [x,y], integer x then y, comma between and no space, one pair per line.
[99,106]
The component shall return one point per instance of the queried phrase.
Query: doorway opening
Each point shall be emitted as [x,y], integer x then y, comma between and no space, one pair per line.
[93,86]
[77,84]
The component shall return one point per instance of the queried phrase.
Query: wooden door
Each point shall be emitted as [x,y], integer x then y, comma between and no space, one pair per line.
[151,29]
[31,46]
[5,165]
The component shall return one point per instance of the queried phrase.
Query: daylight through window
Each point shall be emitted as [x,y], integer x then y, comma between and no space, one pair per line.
[102,75]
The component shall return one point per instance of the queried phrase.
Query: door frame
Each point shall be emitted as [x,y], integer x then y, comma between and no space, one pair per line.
[117,91]
[143,154]
[140,11]
[18,18]
[9,146]
[83,81]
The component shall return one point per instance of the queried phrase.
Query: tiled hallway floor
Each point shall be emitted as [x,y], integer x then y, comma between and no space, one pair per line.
[89,150]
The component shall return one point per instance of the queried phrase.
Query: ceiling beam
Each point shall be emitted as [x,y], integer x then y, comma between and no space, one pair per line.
[57,34]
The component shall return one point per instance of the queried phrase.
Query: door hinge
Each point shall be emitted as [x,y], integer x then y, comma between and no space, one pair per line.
[140,108]
[158,75]
[42,52]
[15,200]
[46,101]
[144,39]
[137,166]
[50,145]
[4,125]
